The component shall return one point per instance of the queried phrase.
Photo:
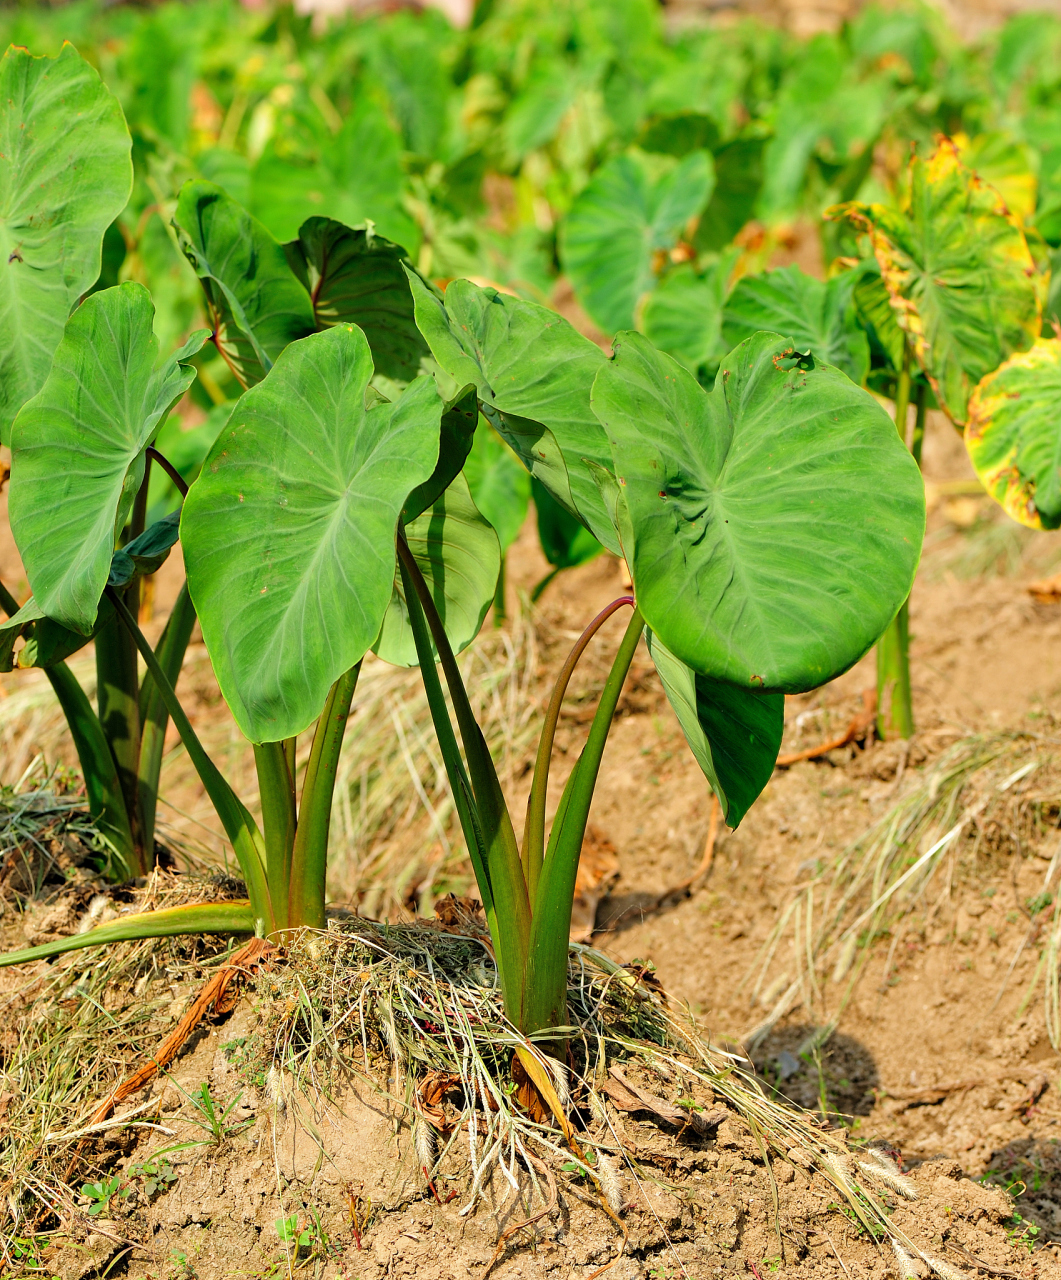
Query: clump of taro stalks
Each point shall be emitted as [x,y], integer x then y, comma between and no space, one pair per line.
[395,841]
[985,795]
[415,1010]
[420,1008]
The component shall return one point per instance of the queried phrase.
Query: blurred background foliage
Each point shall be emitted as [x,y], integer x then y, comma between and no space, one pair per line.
[588,154]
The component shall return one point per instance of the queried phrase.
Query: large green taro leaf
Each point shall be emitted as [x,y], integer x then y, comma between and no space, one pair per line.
[499,484]
[534,374]
[458,554]
[734,733]
[77,448]
[774,525]
[65,175]
[817,315]
[631,209]
[959,273]
[288,533]
[357,277]
[255,303]
[1014,435]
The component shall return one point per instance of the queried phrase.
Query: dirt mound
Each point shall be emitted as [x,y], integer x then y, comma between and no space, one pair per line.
[352,1114]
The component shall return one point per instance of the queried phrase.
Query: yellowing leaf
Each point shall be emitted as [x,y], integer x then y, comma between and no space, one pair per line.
[959,273]
[1014,437]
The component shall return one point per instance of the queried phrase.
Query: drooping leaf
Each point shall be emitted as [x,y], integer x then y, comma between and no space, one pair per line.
[458,554]
[78,448]
[46,642]
[357,277]
[959,272]
[676,133]
[255,304]
[288,533]
[65,175]
[194,918]
[500,485]
[816,314]
[1014,435]
[456,432]
[774,524]
[146,553]
[733,733]
[565,541]
[878,317]
[534,374]
[683,315]
[633,207]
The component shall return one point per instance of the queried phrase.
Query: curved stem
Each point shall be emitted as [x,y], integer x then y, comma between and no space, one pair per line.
[545,986]
[169,469]
[533,850]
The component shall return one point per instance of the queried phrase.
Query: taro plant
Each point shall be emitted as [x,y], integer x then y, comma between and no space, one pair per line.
[772,527]
[959,292]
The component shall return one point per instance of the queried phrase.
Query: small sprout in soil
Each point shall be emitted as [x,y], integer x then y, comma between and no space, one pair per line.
[295,1238]
[158,1175]
[99,1194]
[213,1121]
[1023,1233]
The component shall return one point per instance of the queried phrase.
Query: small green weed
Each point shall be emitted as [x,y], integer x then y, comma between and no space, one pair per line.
[1023,1233]
[157,1174]
[99,1194]
[211,1119]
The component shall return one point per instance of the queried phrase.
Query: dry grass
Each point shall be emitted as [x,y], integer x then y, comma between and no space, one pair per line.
[984,794]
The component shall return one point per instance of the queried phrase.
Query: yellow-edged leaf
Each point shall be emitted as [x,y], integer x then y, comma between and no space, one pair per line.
[1014,435]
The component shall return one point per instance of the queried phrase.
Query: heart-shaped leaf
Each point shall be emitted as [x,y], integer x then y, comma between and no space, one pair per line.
[1013,437]
[959,272]
[499,484]
[633,207]
[459,556]
[738,181]
[65,175]
[77,448]
[534,374]
[817,315]
[288,533]
[774,524]
[255,303]
[357,277]
[733,733]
